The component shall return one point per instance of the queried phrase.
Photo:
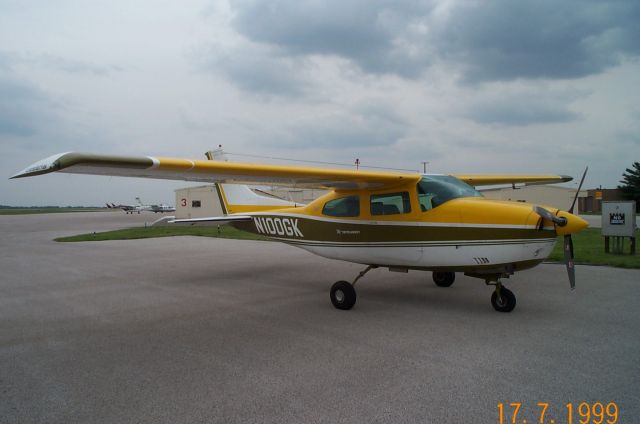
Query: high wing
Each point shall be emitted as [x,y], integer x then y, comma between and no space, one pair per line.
[247,173]
[214,171]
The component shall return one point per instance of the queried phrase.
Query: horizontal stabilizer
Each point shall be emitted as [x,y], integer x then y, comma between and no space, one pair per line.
[219,219]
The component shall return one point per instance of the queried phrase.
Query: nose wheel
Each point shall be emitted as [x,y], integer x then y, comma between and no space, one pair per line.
[503,299]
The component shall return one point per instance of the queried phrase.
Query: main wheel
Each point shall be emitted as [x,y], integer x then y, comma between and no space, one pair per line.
[444,279]
[506,302]
[343,295]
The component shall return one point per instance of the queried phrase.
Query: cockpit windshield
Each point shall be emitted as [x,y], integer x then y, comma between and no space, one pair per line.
[434,190]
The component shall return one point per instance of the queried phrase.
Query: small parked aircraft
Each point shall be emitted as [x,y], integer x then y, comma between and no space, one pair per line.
[129,209]
[140,207]
[400,221]
[162,208]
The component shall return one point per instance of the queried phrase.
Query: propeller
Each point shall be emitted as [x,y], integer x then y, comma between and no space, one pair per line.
[561,222]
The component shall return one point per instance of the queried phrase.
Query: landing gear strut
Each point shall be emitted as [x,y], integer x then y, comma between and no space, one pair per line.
[343,293]
[502,299]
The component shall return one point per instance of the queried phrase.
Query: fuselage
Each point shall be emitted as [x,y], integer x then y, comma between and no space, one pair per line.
[440,224]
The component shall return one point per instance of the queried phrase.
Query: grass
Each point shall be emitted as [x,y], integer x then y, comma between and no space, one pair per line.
[588,247]
[46,209]
[224,231]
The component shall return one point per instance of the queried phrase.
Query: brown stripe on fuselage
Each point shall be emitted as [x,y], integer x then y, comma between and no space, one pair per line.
[350,232]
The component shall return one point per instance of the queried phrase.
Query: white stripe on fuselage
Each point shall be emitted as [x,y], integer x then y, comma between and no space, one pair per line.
[436,256]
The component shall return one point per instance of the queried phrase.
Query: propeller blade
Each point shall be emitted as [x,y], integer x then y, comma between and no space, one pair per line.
[575,199]
[568,260]
[571,247]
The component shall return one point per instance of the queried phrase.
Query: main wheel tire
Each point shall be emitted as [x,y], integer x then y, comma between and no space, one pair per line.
[343,295]
[506,302]
[444,279]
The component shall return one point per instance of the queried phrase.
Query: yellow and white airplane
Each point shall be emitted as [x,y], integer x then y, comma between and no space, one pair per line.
[400,221]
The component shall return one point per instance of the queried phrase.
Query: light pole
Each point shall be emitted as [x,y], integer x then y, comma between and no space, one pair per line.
[424,167]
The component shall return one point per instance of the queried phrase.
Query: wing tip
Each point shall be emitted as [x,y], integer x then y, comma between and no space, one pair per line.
[44,166]
[62,161]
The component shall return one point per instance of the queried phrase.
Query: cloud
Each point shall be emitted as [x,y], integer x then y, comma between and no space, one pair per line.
[23,108]
[9,60]
[258,70]
[70,65]
[5,62]
[522,107]
[505,40]
[367,125]
[30,116]
[376,35]
[496,41]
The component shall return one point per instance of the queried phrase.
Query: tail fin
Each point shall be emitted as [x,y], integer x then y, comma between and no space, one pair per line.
[235,198]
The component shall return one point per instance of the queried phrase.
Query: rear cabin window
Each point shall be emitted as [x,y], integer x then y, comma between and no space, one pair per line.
[344,206]
[390,203]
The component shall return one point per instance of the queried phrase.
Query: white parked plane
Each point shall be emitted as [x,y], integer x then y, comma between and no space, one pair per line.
[140,207]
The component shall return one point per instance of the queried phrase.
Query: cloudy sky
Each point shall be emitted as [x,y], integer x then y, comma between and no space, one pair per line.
[469,86]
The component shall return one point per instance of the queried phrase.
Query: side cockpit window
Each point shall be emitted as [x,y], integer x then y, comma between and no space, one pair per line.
[343,206]
[425,200]
[390,203]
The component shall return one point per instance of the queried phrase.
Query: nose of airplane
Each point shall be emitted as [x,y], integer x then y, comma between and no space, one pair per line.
[574,224]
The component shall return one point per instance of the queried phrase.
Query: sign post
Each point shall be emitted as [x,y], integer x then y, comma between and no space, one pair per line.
[618,222]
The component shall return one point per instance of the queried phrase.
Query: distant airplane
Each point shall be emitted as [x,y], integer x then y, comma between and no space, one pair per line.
[162,208]
[400,221]
[126,208]
[140,207]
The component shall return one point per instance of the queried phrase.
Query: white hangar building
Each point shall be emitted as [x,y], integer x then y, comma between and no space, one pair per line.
[558,197]
[197,202]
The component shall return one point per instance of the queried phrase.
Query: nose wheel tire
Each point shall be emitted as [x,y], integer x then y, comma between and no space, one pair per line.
[343,295]
[444,279]
[505,302]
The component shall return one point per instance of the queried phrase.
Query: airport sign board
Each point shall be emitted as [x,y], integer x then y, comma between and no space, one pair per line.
[619,219]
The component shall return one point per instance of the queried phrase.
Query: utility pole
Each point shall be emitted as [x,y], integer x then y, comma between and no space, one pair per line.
[424,167]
